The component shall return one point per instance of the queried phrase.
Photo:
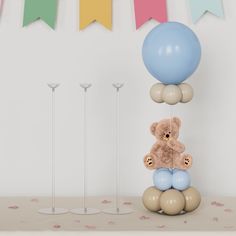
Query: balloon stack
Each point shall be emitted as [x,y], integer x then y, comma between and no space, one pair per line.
[171,53]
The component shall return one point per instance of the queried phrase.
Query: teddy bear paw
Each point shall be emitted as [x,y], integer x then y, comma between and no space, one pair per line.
[149,161]
[187,160]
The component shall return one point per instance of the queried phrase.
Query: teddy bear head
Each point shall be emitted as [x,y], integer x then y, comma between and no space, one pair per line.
[166,129]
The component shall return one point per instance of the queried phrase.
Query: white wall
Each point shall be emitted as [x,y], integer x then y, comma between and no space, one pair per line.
[33,56]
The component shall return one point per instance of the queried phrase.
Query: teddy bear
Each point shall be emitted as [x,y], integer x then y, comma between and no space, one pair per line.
[167,152]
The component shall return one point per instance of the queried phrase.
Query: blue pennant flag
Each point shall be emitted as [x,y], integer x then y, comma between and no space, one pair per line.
[200,7]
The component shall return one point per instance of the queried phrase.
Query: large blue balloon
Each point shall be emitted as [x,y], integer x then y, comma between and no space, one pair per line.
[171,52]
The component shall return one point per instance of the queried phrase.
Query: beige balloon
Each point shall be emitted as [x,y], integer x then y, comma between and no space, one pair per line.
[187,92]
[156,92]
[172,202]
[172,94]
[151,199]
[192,199]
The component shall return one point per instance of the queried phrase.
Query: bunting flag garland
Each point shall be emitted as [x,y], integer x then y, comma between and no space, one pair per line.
[40,9]
[101,11]
[150,9]
[96,10]
[200,7]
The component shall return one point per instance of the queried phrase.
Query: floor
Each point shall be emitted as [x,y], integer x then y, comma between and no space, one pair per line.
[20,214]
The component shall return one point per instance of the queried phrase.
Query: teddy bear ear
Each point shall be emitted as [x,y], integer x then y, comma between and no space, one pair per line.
[177,121]
[153,128]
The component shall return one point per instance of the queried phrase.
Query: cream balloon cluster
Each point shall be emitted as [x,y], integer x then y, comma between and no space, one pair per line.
[172,201]
[171,94]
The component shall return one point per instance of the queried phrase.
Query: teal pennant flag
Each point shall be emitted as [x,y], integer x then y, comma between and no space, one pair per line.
[45,10]
[200,7]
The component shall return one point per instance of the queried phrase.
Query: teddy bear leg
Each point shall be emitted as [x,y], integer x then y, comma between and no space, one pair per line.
[151,161]
[183,162]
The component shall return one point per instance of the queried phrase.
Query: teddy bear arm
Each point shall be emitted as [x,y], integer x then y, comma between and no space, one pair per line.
[155,148]
[183,161]
[180,147]
[176,146]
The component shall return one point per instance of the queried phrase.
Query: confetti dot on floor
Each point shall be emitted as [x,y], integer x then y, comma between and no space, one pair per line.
[56,226]
[106,201]
[127,203]
[90,227]
[229,227]
[161,226]
[144,217]
[34,200]
[218,204]
[111,222]
[14,207]
[228,210]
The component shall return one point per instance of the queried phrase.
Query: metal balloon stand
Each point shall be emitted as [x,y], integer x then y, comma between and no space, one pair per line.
[53,210]
[117,210]
[85,210]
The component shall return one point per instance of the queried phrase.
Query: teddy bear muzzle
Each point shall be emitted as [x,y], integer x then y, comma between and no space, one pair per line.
[167,136]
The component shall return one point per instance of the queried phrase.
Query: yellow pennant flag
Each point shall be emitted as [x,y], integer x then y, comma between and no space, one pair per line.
[96,10]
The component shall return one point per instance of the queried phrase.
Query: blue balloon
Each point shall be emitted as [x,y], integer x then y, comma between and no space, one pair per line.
[181,179]
[162,179]
[171,52]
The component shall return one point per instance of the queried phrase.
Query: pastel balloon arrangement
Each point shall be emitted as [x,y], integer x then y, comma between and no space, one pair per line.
[171,53]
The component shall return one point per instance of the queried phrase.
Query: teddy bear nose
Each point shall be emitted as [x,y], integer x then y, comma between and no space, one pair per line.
[167,135]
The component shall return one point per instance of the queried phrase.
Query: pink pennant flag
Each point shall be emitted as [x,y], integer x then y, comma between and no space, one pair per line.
[150,9]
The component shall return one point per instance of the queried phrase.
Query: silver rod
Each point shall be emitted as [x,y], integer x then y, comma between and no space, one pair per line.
[53,151]
[85,152]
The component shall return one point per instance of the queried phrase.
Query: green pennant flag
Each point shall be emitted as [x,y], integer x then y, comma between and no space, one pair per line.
[45,10]
[200,7]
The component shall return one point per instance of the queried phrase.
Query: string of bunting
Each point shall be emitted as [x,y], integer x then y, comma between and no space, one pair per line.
[101,11]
